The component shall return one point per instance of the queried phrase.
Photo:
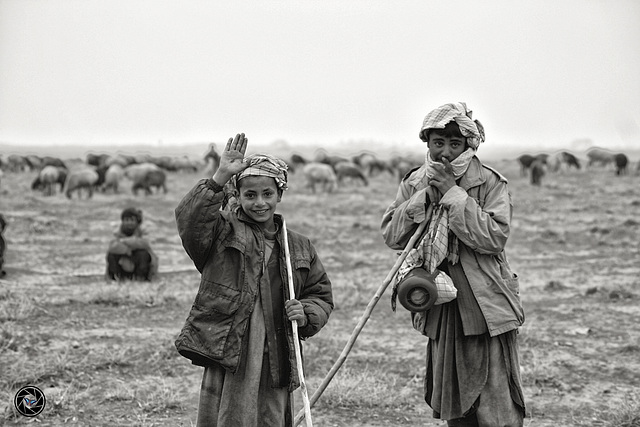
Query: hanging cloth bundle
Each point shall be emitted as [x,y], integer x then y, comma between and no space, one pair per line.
[437,244]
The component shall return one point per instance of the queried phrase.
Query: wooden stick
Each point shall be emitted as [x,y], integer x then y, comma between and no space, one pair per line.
[365,316]
[294,324]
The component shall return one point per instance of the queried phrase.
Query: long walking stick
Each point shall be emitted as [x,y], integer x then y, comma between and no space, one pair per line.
[294,324]
[365,316]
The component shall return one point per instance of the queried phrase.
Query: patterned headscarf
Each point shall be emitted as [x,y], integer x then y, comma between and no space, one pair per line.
[458,112]
[264,165]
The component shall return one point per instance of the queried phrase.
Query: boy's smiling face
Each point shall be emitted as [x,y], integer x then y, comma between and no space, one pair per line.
[258,196]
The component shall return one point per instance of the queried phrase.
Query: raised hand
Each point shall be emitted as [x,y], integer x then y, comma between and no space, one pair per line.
[231,159]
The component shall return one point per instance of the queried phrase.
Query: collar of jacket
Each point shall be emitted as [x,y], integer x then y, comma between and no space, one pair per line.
[474,176]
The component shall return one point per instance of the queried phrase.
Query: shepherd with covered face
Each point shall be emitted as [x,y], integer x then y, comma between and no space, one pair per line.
[239,327]
[472,368]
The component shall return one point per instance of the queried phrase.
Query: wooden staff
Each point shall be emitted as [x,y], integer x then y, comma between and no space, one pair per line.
[365,316]
[294,323]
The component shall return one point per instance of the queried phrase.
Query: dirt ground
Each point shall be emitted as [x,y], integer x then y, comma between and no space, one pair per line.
[103,352]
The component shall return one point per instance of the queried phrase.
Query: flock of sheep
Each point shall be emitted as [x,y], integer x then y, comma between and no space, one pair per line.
[102,172]
[323,172]
[105,172]
[328,172]
[539,163]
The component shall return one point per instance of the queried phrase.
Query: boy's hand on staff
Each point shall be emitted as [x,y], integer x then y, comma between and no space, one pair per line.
[443,178]
[295,311]
[231,159]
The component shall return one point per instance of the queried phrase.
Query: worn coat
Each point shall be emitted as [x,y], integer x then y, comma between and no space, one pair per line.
[228,249]
[480,211]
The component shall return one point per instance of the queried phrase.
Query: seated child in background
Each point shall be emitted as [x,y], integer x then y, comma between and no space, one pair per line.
[130,255]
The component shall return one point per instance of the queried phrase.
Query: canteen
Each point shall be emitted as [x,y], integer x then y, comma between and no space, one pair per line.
[417,292]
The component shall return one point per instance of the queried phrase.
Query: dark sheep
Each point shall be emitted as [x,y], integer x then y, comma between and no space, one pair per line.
[570,160]
[349,170]
[526,160]
[537,172]
[152,178]
[53,161]
[621,162]
[295,162]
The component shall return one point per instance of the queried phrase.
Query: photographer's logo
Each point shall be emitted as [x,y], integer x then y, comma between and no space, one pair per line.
[29,401]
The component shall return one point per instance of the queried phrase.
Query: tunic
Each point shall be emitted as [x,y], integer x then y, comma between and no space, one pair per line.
[256,395]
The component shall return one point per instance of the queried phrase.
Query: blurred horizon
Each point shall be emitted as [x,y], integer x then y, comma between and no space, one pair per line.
[283,149]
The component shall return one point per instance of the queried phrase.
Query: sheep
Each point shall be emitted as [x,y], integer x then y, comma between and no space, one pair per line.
[320,173]
[79,179]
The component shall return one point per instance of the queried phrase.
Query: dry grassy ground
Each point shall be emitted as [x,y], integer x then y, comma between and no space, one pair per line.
[104,354]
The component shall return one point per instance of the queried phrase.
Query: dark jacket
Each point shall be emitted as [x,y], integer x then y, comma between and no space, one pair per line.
[227,248]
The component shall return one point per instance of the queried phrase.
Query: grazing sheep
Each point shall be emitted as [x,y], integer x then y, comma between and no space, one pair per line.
[621,162]
[53,161]
[184,164]
[46,180]
[320,173]
[145,175]
[112,177]
[349,170]
[137,171]
[35,162]
[296,162]
[537,172]
[96,159]
[373,166]
[17,163]
[82,178]
[38,183]
[599,156]
[526,160]
[152,178]
[563,157]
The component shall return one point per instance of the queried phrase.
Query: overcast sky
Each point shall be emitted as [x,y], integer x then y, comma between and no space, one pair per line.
[536,73]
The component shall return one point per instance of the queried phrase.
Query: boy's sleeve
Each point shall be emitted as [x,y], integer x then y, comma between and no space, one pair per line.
[316,297]
[485,229]
[199,221]
[402,217]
